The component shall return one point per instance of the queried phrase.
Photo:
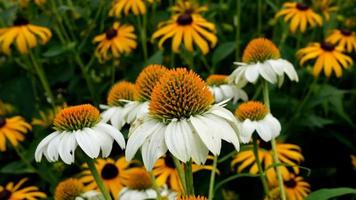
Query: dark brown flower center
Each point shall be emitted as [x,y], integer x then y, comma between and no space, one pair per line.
[5,194]
[2,122]
[168,160]
[327,46]
[184,19]
[20,21]
[345,32]
[111,33]
[302,6]
[109,171]
[291,183]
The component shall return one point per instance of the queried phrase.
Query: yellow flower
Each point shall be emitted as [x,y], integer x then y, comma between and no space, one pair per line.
[187,28]
[138,7]
[166,173]
[299,15]
[6,108]
[289,154]
[12,129]
[46,117]
[326,7]
[191,7]
[112,172]
[24,35]
[328,57]
[344,38]
[192,197]
[118,40]
[14,191]
[295,186]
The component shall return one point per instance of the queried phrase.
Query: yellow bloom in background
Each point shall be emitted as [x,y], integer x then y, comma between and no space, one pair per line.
[12,129]
[166,173]
[326,7]
[299,15]
[346,39]
[111,172]
[328,57]
[190,7]
[138,7]
[119,39]
[187,28]
[295,186]
[46,117]
[6,108]
[289,154]
[24,35]
[14,191]
[192,197]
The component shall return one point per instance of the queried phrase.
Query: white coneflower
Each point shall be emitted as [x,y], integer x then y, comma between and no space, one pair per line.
[218,85]
[118,96]
[78,125]
[182,119]
[254,116]
[262,58]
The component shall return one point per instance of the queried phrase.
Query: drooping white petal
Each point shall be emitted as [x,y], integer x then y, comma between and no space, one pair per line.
[87,143]
[114,133]
[222,112]
[105,141]
[118,118]
[264,130]
[175,138]
[66,146]
[107,114]
[267,72]
[41,147]
[98,137]
[252,73]
[138,137]
[275,125]
[247,128]
[290,71]
[52,148]
[206,133]
[276,66]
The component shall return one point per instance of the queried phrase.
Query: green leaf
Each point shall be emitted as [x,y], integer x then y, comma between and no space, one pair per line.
[16,167]
[59,49]
[324,194]
[222,51]
[156,58]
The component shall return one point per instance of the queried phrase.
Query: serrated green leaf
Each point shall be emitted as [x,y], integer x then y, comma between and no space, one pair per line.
[324,194]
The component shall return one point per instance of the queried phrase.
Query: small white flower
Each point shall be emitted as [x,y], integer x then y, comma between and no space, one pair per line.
[182,120]
[254,116]
[262,58]
[78,125]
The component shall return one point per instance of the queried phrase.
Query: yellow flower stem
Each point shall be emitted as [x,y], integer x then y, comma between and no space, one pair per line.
[97,178]
[155,186]
[238,29]
[274,148]
[180,172]
[189,178]
[259,166]
[43,79]
[259,17]
[212,178]
[142,30]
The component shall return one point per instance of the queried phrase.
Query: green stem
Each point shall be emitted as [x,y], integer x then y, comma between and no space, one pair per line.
[259,17]
[142,28]
[273,142]
[155,186]
[238,29]
[189,178]
[212,178]
[97,178]
[180,172]
[259,166]
[43,79]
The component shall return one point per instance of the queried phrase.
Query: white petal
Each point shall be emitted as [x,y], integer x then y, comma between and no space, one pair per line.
[290,71]
[105,141]
[276,66]
[264,130]
[252,73]
[206,133]
[239,63]
[267,72]
[107,114]
[222,112]
[41,147]
[175,138]
[114,133]
[87,143]
[247,128]
[228,91]
[52,148]
[138,137]
[118,118]
[275,125]
[66,148]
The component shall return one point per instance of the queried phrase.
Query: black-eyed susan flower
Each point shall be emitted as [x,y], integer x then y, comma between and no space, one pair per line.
[73,189]
[138,7]
[191,7]
[24,36]
[145,82]
[326,7]
[222,90]
[328,57]
[345,39]
[187,28]
[118,96]
[45,117]
[13,130]
[299,15]
[112,173]
[166,173]
[16,191]
[78,125]
[139,186]
[289,154]
[261,57]
[192,197]
[254,116]
[119,39]
[295,186]
[182,119]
